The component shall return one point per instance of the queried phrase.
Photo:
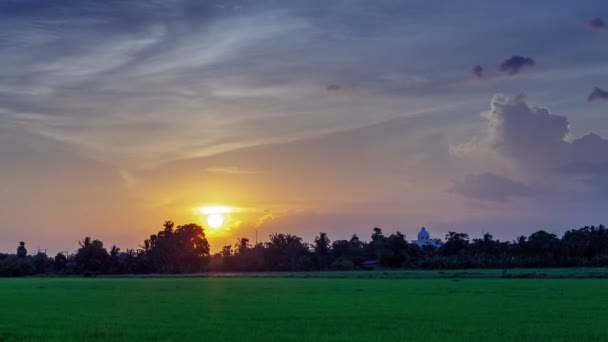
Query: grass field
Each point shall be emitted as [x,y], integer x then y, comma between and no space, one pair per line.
[320,309]
[558,273]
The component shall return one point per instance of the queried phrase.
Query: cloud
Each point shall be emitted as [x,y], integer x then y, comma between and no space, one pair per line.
[229,170]
[333,87]
[404,154]
[513,65]
[538,145]
[492,187]
[477,71]
[597,23]
[529,135]
[586,168]
[56,180]
[265,217]
[597,94]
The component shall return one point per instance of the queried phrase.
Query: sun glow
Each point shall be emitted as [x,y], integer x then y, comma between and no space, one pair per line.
[216,215]
[215,221]
[215,210]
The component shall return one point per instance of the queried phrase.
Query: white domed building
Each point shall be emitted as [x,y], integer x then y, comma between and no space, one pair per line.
[424,239]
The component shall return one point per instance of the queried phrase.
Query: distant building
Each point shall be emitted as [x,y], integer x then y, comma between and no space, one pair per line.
[424,239]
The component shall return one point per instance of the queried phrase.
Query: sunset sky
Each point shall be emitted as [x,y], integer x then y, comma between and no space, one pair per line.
[302,116]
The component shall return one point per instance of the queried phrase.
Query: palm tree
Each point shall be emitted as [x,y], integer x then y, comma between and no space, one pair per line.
[21,251]
[242,245]
[85,243]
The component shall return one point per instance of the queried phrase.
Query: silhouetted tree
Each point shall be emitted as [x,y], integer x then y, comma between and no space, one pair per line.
[92,258]
[21,251]
[455,244]
[115,260]
[286,252]
[322,250]
[180,250]
[59,262]
[394,251]
[185,249]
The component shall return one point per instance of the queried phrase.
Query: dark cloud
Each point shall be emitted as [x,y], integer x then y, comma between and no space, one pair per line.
[593,174]
[333,87]
[491,187]
[477,71]
[586,168]
[597,23]
[590,147]
[513,65]
[597,94]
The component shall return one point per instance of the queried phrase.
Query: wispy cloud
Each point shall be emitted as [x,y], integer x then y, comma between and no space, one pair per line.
[229,170]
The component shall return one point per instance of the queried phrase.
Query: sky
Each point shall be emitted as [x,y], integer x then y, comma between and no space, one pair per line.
[302,116]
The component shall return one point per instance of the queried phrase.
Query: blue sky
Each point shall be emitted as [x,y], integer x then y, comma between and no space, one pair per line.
[334,115]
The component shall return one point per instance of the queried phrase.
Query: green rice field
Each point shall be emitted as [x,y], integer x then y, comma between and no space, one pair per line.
[360,306]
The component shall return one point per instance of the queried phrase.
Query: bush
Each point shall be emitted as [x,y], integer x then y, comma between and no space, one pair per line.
[342,264]
[17,267]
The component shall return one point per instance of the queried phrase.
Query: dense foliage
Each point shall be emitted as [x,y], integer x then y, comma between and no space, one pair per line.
[185,249]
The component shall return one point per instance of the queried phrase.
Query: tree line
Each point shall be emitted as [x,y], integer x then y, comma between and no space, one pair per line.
[185,249]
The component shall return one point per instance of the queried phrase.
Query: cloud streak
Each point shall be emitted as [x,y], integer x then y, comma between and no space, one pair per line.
[229,170]
[491,187]
[334,108]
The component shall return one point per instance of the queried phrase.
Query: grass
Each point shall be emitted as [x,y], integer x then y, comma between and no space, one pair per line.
[319,309]
[579,272]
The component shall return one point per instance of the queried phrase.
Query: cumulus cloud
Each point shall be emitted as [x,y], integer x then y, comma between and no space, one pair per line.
[492,187]
[538,143]
[597,23]
[515,64]
[529,135]
[597,94]
[477,71]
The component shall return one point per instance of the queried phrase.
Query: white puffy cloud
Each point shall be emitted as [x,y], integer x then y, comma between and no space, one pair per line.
[540,149]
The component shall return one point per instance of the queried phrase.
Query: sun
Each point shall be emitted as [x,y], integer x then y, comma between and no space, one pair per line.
[215,215]
[215,221]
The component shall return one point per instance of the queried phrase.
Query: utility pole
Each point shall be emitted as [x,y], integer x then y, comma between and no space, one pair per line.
[257,226]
